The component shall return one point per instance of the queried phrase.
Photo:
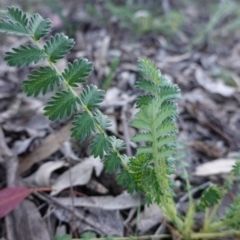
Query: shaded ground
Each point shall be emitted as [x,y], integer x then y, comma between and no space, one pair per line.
[195,44]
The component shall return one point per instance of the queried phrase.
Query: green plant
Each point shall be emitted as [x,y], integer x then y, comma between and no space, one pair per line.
[148,172]
[140,18]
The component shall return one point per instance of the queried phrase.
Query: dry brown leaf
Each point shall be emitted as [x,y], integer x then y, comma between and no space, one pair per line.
[120,202]
[80,174]
[43,174]
[213,86]
[176,58]
[150,217]
[109,222]
[97,187]
[219,166]
[28,222]
[51,144]
[213,151]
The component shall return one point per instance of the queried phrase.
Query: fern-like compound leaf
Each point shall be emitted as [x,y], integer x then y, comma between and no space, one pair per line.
[40,27]
[61,105]
[156,122]
[58,46]
[102,120]
[210,197]
[100,145]
[112,162]
[24,56]
[92,97]
[39,81]
[77,71]
[83,126]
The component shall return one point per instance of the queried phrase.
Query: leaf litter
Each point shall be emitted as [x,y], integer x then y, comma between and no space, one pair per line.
[208,75]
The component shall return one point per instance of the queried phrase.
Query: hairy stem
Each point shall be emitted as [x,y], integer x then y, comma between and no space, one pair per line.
[167,202]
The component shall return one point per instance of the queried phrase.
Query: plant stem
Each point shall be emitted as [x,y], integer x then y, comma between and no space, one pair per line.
[214,235]
[224,223]
[161,236]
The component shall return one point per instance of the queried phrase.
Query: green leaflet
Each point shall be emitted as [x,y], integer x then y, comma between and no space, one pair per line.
[112,162]
[15,15]
[61,105]
[127,180]
[39,81]
[14,21]
[58,47]
[142,137]
[13,28]
[233,211]
[39,26]
[144,100]
[149,70]
[117,144]
[147,86]
[92,97]
[83,126]
[102,120]
[77,71]
[24,56]
[210,197]
[236,169]
[100,145]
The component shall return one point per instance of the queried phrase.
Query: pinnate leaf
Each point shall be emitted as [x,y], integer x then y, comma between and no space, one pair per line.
[83,126]
[58,46]
[60,105]
[39,26]
[24,56]
[92,97]
[11,197]
[40,80]
[77,71]
[99,145]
